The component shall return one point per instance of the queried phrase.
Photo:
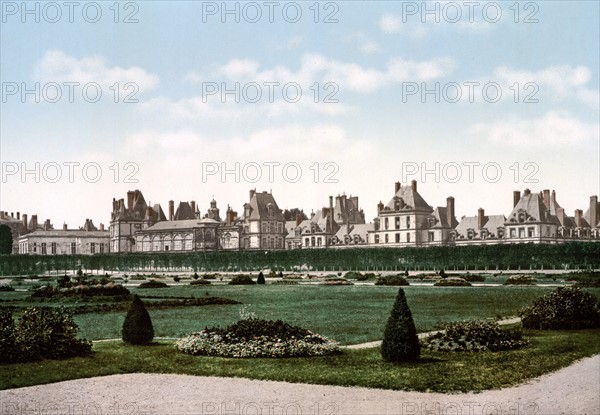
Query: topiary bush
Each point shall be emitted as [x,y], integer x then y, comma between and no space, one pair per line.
[49,333]
[392,280]
[200,282]
[9,349]
[260,279]
[241,280]
[474,336]
[565,308]
[520,280]
[452,282]
[400,342]
[137,327]
[153,284]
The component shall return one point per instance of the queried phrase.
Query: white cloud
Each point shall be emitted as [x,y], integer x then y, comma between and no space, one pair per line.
[554,129]
[56,66]
[391,24]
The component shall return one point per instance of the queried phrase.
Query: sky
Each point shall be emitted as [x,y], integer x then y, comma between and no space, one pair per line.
[193,100]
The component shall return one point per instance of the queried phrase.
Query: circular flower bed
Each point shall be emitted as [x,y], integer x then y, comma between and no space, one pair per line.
[257,338]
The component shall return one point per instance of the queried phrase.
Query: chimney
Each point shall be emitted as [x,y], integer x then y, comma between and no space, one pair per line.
[413,185]
[114,205]
[47,224]
[516,197]
[560,214]
[1,215]
[480,218]
[380,206]
[554,197]
[65,227]
[171,209]
[547,198]
[354,201]
[298,219]
[149,212]
[25,222]
[578,214]
[252,192]
[193,205]
[102,227]
[450,210]
[593,211]
[230,216]
[396,187]
[34,223]
[526,192]
[12,214]
[18,215]
[130,196]
[121,204]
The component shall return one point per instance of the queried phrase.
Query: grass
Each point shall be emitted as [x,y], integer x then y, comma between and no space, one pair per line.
[437,372]
[349,314]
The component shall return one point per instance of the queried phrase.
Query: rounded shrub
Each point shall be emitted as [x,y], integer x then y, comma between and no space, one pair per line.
[565,308]
[153,284]
[520,280]
[392,280]
[241,280]
[400,341]
[452,282]
[137,327]
[261,278]
[9,349]
[49,333]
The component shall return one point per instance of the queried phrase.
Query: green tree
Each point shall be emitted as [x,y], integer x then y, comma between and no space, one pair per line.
[400,341]
[137,327]
[6,240]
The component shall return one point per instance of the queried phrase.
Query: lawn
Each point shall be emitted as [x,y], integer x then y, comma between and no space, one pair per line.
[349,314]
[439,372]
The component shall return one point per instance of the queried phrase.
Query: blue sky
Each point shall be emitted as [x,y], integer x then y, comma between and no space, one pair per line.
[374,58]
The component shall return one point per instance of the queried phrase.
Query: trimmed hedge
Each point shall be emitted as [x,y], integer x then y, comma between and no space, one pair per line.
[452,282]
[153,284]
[137,327]
[400,342]
[502,256]
[241,280]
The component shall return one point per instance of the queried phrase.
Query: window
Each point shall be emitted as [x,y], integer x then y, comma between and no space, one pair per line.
[307,242]
[530,232]
[430,236]
[548,230]
[93,248]
[376,239]
[44,248]
[101,248]
[408,237]
[73,248]
[53,248]
[397,223]
[386,224]
[35,247]
[397,237]
[408,222]
[319,242]
[386,238]
[312,241]
[521,232]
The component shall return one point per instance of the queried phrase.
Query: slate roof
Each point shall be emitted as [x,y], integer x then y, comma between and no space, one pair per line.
[179,225]
[184,212]
[67,233]
[491,223]
[535,208]
[412,200]
[259,204]
[359,230]
[441,220]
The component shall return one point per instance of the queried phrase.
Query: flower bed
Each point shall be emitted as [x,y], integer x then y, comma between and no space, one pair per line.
[474,336]
[520,280]
[253,337]
[82,291]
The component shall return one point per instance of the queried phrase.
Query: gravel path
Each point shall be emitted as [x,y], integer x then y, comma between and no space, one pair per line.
[572,390]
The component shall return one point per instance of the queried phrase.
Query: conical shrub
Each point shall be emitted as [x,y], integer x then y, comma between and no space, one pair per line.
[261,278]
[400,341]
[137,327]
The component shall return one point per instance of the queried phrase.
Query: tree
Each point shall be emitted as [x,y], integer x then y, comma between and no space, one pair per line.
[261,278]
[6,240]
[400,341]
[290,214]
[137,327]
